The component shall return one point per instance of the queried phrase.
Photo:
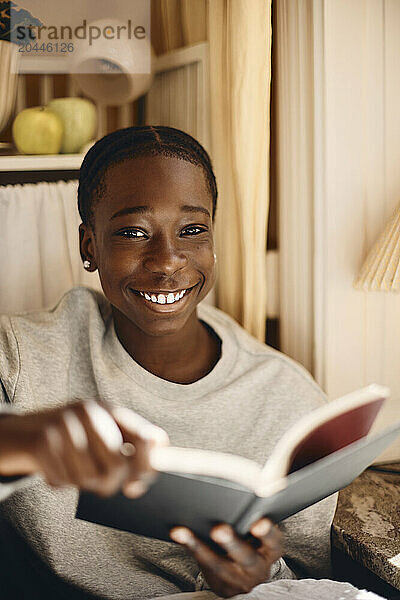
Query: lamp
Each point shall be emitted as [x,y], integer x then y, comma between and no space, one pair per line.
[108,71]
[381,268]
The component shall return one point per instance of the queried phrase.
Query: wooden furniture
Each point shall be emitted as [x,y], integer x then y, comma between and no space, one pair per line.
[20,168]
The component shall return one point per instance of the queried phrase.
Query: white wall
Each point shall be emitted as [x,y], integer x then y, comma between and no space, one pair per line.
[355,145]
[361,330]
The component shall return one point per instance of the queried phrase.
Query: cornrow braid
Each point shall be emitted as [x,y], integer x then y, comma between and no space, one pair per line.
[132,142]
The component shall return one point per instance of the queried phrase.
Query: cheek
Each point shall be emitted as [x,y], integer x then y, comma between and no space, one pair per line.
[115,264]
[205,263]
[203,254]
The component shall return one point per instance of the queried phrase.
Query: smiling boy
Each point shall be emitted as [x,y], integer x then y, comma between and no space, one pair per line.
[156,240]
[154,355]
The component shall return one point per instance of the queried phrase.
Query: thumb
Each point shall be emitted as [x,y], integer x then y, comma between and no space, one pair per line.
[134,426]
[141,436]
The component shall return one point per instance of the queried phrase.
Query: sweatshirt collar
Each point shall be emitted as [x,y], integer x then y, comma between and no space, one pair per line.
[215,379]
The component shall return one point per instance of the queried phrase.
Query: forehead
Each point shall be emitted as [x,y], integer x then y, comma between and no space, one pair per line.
[155,178]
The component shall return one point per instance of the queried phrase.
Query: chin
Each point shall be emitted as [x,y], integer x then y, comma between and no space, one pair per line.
[156,321]
[159,327]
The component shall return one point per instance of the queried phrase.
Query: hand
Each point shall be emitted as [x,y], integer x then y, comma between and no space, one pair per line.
[81,444]
[243,567]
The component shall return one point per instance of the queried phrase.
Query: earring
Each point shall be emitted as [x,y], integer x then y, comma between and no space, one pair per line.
[215,257]
[86,264]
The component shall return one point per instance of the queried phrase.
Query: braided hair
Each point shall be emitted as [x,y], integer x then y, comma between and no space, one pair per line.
[132,142]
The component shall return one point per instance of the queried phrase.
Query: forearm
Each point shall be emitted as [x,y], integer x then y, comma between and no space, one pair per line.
[14,459]
[307,539]
[13,476]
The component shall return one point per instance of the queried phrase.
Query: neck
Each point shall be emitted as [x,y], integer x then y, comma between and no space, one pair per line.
[181,357]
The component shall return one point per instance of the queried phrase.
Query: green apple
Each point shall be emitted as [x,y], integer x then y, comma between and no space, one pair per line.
[79,117]
[37,130]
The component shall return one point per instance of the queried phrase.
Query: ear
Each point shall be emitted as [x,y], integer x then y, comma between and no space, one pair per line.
[86,246]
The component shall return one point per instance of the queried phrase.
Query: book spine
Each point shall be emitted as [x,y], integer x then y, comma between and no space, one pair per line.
[248,516]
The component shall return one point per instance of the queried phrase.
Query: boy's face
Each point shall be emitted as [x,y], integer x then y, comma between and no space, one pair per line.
[153,235]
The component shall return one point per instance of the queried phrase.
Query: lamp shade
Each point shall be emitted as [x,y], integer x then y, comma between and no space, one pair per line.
[381,269]
[108,72]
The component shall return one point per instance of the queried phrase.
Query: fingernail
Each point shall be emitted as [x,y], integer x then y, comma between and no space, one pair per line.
[180,535]
[135,489]
[261,528]
[127,449]
[222,535]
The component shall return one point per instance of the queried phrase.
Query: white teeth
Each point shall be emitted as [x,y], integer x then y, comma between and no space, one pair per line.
[163,298]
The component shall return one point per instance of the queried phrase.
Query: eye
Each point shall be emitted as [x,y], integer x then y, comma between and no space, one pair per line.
[193,230]
[131,232]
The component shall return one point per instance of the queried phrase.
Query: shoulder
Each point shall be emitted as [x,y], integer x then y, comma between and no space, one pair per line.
[36,348]
[282,372]
[33,341]
[72,313]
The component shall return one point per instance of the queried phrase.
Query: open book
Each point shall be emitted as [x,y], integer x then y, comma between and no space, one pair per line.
[319,455]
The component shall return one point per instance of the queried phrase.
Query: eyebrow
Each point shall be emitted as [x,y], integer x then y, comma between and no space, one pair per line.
[129,210]
[193,209]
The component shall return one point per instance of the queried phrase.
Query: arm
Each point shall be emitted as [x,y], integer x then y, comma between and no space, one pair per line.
[79,444]
[307,551]
[76,444]
[307,535]
[9,484]
[243,564]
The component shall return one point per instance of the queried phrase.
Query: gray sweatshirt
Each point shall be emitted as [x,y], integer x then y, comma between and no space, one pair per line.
[243,406]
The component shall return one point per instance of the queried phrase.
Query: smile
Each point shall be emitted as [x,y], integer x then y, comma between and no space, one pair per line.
[163,297]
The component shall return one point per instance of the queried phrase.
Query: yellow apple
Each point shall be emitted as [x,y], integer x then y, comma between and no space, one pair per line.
[37,130]
[79,117]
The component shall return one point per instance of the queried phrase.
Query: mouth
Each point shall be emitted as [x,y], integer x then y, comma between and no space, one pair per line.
[164,300]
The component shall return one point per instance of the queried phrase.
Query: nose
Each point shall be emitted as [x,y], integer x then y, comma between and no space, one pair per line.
[164,257]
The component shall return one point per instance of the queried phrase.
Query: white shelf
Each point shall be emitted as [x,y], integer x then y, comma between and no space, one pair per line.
[41,162]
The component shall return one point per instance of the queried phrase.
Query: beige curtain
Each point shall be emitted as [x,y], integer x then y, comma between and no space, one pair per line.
[239,35]
[177,23]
